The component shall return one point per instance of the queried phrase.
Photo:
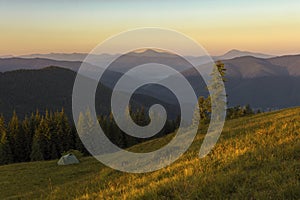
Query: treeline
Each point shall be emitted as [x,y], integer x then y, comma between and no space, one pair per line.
[231,113]
[38,137]
[240,111]
[48,136]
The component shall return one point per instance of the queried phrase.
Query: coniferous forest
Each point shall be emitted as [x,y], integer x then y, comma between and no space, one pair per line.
[47,136]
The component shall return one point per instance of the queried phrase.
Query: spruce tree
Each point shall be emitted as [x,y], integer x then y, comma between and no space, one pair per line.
[6,156]
[41,147]
[27,132]
[68,140]
[36,152]
[63,139]
[17,139]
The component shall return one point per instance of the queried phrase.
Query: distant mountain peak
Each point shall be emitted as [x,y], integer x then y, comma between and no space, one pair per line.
[146,50]
[150,53]
[234,53]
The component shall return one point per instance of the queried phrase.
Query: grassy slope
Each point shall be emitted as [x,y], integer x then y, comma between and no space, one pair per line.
[256,157]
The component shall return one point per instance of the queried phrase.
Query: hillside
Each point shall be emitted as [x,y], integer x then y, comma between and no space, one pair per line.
[263,83]
[252,67]
[27,90]
[256,157]
[51,88]
[249,67]
[291,63]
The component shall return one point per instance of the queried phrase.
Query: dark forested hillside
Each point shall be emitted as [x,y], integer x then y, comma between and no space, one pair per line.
[27,90]
[51,88]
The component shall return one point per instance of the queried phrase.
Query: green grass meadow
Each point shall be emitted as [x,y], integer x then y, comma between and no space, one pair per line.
[256,157]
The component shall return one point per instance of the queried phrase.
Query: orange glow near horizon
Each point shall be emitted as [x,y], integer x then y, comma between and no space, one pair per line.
[255,27]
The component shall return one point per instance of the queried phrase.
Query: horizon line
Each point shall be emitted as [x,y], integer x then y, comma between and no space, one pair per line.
[218,55]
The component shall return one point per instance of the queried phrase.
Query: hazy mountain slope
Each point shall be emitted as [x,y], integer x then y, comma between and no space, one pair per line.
[93,58]
[264,92]
[255,81]
[11,64]
[58,56]
[125,62]
[256,157]
[291,63]
[251,67]
[234,53]
[261,92]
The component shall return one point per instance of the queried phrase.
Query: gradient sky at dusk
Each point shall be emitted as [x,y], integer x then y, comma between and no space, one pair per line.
[78,26]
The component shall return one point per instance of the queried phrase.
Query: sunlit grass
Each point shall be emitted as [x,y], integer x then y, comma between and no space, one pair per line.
[256,157]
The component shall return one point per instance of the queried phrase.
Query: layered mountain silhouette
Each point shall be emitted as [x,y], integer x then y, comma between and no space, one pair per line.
[240,67]
[253,67]
[234,53]
[28,84]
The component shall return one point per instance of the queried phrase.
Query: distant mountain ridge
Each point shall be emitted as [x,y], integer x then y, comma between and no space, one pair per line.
[262,82]
[252,67]
[16,63]
[292,63]
[239,67]
[234,53]
[58,56]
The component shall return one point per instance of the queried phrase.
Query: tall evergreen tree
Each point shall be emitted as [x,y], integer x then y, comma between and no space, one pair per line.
[26,131]
[41,147]
[36,152]
[6,156]
[64,139]
[17,139]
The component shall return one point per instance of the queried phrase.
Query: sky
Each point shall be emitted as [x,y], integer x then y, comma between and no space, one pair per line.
[65,26]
